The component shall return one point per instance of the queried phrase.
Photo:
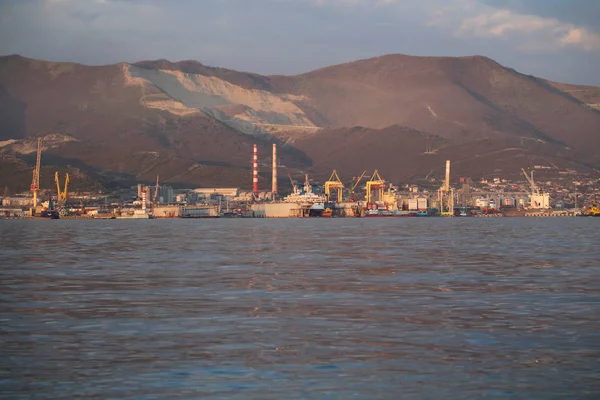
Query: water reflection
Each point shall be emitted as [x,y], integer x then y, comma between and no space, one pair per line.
[437,308]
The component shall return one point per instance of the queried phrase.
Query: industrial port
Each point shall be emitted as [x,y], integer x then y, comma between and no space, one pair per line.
[367,196]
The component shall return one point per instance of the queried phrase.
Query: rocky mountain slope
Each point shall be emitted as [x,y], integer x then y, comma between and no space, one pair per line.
[195,125]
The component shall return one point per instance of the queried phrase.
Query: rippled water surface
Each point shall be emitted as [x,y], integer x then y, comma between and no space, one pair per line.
[311,308]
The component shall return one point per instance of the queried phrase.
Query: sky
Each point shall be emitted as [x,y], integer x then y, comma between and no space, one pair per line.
[552,39]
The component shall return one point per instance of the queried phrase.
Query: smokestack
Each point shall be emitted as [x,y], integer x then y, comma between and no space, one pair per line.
[274,179]
[255,174]
[447,183]
[144,199]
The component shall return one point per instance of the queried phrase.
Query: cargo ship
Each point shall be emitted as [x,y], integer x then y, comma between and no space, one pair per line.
[305,196]
[311,203]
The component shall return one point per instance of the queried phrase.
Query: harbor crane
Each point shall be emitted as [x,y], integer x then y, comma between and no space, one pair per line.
[61,195]
[375,184]
[294,186]
[352,196]
[35,182]
[534,188]
[446,195]
[155,198]
[334,182]
[537,198]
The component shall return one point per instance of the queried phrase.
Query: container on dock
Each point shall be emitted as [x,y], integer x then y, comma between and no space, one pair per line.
[413,204]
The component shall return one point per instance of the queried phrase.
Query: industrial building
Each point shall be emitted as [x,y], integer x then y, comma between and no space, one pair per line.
[207,192]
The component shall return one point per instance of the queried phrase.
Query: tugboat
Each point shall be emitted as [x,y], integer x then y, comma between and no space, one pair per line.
[49,210]
[327,212]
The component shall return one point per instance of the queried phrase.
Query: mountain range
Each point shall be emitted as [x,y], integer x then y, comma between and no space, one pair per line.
[194,125]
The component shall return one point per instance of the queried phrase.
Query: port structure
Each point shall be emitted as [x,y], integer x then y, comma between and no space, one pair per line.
[35,182]
[155,198]
[534,188]
[538,199]
[446,195]
[294,185]
[61,196]
[353,188]
[375,186]
[334,182]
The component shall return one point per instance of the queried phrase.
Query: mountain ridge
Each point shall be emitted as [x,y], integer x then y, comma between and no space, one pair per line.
[190,114]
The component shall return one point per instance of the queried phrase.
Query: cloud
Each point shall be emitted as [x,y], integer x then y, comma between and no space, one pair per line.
[352,3]
[295,36]
[577,12]
[582,38]
[532,32]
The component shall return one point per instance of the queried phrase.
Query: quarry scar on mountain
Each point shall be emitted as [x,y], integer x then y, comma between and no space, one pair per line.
[238,107]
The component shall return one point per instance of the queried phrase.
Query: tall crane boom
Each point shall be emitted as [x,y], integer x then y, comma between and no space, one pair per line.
[446,195]
[294,186]
[58,192]
[155,192]
[352,196]
[35,182]
[534,188]
[64,195]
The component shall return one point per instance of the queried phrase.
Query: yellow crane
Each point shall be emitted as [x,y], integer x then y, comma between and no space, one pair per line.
[35,182]
[446,195]
[334,182]
[61,194]
[375,184]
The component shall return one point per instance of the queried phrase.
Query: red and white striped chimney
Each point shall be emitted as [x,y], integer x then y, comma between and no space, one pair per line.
[274,177]
[255,174]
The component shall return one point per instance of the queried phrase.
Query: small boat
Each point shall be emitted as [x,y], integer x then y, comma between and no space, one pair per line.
[327,212]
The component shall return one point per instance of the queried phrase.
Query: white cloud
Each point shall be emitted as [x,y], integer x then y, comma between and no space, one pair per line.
[530,31]
[582,38]
[374,3]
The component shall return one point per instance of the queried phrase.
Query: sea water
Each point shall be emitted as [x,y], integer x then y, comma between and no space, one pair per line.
[440,308]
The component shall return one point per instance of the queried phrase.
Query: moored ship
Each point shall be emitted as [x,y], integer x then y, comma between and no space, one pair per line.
[307,199]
